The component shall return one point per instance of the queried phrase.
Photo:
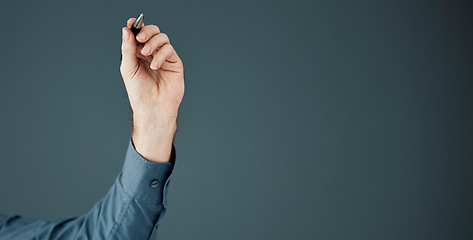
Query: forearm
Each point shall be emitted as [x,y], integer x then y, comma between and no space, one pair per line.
[132,208]
[153,135]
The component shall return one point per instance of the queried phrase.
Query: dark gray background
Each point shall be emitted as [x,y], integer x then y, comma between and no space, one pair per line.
[300,120]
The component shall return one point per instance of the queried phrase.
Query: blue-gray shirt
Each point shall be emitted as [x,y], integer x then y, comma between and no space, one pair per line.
[131,209]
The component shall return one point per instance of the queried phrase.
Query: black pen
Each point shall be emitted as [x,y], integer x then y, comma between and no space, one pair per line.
[135,28]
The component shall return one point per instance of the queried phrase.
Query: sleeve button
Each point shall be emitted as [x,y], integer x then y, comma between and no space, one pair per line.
[154,183]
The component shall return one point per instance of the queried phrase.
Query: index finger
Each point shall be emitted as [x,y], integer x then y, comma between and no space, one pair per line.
[130,22]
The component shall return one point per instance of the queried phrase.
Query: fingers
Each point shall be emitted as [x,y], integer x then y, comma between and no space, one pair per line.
[166,52]
[129,62]
[147,32]
[153,39]
[154,43]
[130,22]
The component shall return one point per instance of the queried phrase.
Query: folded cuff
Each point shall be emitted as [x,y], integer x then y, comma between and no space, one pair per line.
[143,179]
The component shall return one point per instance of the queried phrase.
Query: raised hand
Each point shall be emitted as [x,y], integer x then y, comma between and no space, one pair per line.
[153,75]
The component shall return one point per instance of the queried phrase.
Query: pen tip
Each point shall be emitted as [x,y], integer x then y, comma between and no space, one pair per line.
[138,21]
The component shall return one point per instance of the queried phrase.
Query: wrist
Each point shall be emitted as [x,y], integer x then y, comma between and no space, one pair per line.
[154,119]
[166,112]
[153,135]
[154,124]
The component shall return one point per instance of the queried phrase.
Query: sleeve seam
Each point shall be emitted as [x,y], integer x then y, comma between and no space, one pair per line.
[121,217]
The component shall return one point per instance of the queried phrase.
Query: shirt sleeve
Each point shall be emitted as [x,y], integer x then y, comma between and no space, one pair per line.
[131,209]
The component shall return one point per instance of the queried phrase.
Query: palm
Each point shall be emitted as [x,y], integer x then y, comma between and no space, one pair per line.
[163,81]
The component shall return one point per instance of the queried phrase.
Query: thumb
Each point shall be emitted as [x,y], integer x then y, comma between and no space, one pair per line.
[129,63]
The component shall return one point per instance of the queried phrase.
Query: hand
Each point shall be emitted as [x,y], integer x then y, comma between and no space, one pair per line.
[154,79]
[152,71]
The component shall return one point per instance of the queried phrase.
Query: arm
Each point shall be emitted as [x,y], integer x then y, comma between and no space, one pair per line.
[132,208]
[136,202]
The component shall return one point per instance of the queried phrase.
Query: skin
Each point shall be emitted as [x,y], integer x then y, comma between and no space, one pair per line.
[154,82]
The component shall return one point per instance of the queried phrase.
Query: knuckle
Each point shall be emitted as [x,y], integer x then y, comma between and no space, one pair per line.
[156,28]
[152,29]
[165,37]
[170,47]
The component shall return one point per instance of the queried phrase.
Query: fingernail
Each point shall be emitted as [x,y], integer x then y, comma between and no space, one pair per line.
[125,35]
[153,66]
[141,36]
[146,49]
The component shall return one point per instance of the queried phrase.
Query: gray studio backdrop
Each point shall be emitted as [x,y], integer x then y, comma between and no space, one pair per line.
[300,120]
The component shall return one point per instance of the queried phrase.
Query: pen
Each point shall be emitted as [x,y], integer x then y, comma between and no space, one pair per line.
[135,28]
